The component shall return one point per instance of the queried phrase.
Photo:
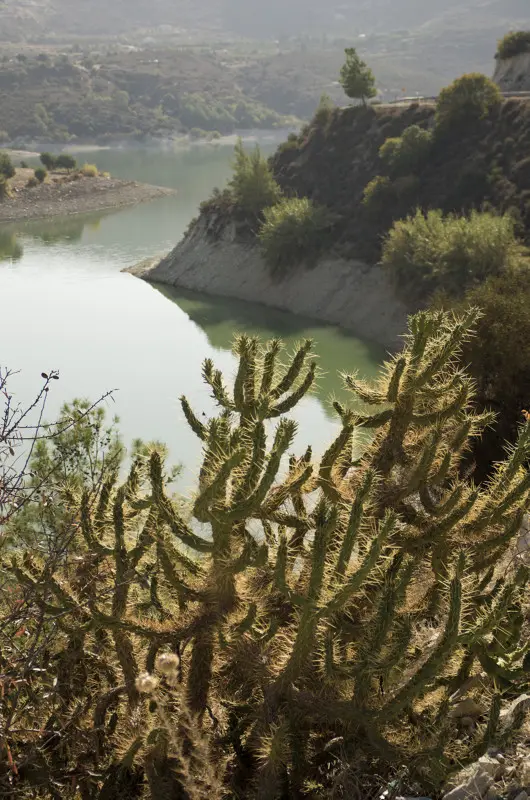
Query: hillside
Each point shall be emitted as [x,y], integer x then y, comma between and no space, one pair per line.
[37,19]
[513,74]
[122,95]
[334,161]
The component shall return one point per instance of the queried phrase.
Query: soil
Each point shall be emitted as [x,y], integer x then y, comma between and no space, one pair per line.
[63,194]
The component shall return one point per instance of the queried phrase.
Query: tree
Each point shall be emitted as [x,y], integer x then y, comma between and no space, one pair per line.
[468,99]
[356,77]
[48,160]
[253,185]
[66,161]
[7,169]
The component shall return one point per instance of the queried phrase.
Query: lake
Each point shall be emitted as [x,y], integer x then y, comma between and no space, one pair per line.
[66,305]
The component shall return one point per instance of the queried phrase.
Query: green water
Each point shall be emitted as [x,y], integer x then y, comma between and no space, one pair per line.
[66,306]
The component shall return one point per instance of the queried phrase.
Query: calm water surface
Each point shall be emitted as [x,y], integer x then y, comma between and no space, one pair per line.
[66,306]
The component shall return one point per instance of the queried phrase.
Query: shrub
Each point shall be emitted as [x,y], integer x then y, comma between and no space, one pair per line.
[41,174]
[324,111]
[7,169]
[291,143]
[89,171]
[4,188]
[32,182]
[308,623]
[66,161]
[293,231]
[468,99]
[430,251]
[513,44]
[407,153]
[253,185]
[49,161]
[499,356]
[24,165]
[378,193]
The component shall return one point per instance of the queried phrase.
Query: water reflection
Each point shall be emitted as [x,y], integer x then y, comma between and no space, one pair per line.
[67,230]
[10,247]
[222,318]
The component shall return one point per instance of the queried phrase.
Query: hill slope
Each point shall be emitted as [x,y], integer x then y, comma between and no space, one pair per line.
[26,19]
[333,163]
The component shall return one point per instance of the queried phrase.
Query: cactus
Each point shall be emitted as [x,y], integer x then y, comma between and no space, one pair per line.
[303,601]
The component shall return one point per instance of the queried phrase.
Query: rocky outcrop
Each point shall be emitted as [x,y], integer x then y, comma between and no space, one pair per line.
[347,293]
[513,74]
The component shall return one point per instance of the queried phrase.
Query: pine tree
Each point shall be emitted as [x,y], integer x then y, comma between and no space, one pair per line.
[357,78]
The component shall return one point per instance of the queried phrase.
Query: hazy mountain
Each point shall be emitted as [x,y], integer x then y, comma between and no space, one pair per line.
[31,19]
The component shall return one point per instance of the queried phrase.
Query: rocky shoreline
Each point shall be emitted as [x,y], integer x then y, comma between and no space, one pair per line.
[80,196]
[348,293]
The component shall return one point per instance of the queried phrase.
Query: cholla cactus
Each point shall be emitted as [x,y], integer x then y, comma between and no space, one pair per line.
[302,602]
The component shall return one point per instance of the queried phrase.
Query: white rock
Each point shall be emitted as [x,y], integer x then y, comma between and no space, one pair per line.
[507,713]
[474,788]
[492,766]
[466,708]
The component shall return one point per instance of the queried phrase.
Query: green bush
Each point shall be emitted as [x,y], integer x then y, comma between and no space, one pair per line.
[378,193]
[324,112]
[89,171]
[253,185]
[293,231]
[66,161]
[513,44]
[49,161]
[41,174]
[291,143]
[7,169]
[24,165]
[499,355]
[468,99]
[32,182]
[429,251]
[407,153]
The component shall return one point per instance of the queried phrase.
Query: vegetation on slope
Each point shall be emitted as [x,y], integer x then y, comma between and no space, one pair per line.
[306,632]
[483,165]
[100,96]
[513,44]
[429,252]
[440,194]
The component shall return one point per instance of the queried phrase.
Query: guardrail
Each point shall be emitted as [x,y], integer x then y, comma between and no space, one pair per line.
[400,100]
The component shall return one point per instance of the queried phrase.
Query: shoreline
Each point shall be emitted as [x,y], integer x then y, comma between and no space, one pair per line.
[60,198]
[351,294]
[277,135]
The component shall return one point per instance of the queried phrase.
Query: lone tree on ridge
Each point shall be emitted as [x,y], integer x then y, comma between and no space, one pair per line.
[356,77]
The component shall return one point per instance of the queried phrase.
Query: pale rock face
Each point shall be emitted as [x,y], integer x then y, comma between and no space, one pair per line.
[513,74]
[475,788]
